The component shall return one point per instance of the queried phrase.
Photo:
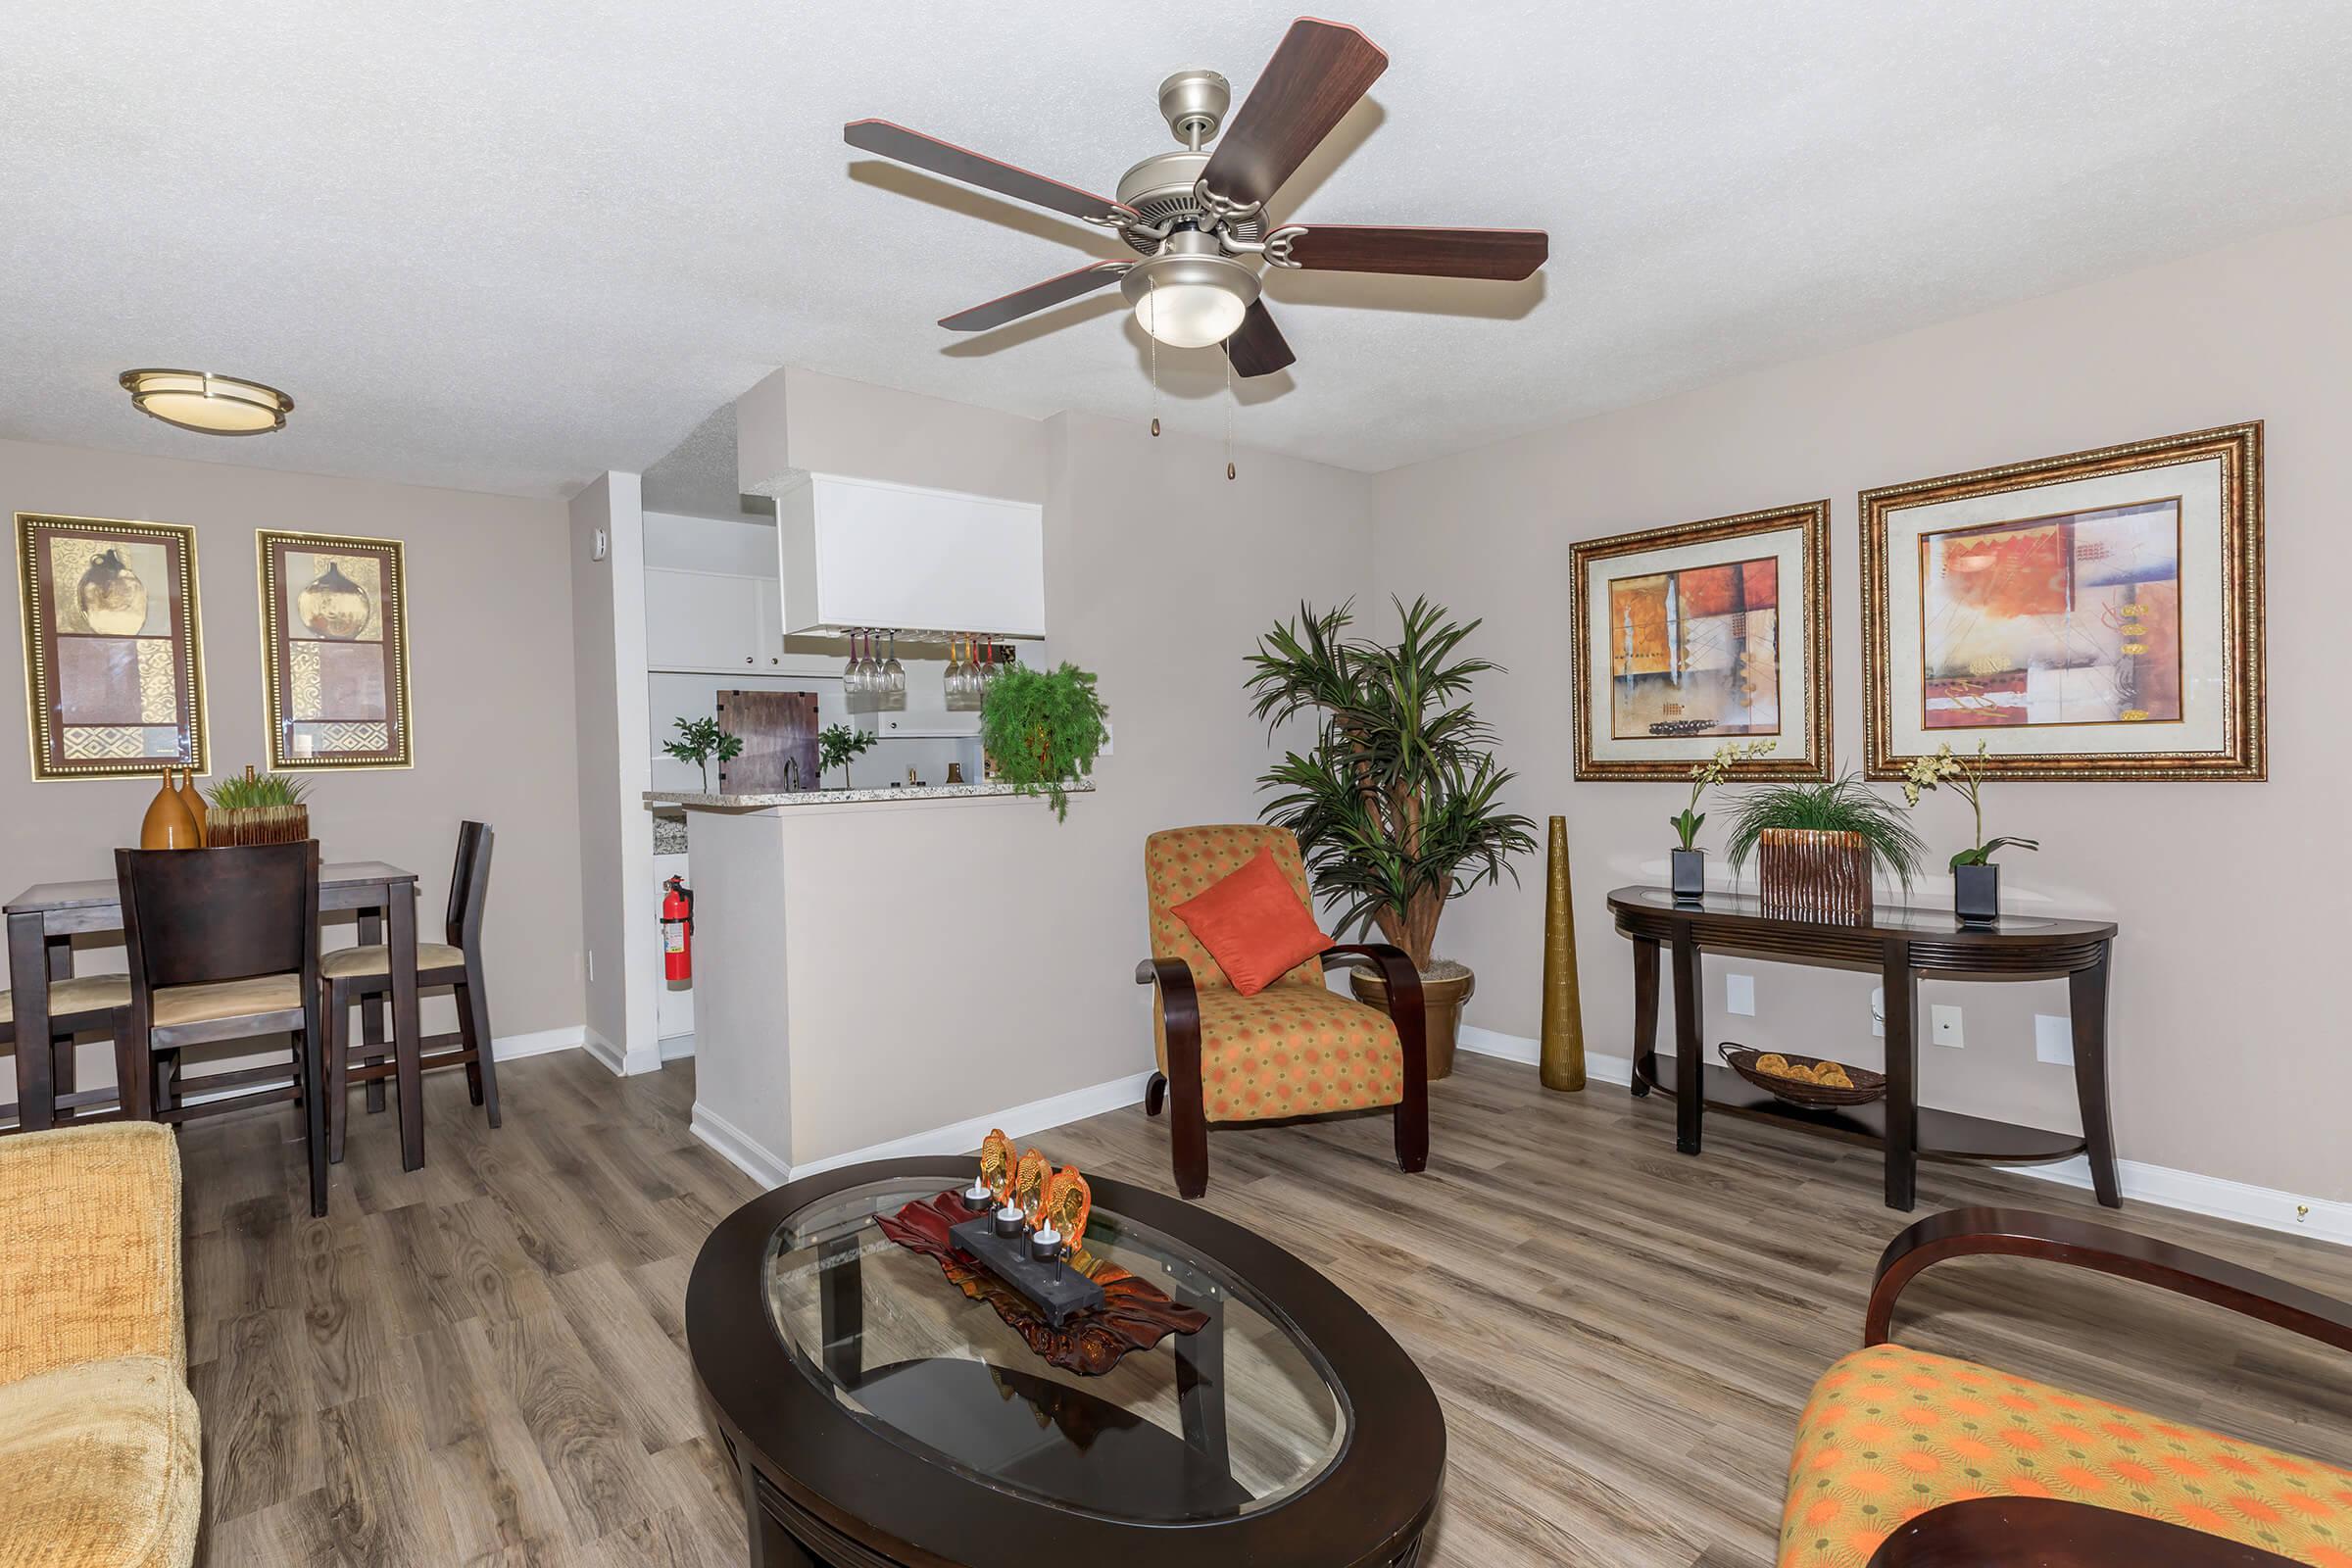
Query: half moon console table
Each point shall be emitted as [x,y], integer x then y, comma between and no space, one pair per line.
[1902,945]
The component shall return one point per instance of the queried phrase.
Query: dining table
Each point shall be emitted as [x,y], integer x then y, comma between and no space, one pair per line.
[45,919]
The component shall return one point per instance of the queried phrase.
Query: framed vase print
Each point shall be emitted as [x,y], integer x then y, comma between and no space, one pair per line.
[2091,616]
[1701,633]
[334,651]
[114,657]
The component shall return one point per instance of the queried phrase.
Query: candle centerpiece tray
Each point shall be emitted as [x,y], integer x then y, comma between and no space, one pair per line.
[1057,1290]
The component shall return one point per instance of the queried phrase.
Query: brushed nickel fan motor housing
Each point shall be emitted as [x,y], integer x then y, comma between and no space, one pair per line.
[1193,103]
[1160,191]
[1189,257]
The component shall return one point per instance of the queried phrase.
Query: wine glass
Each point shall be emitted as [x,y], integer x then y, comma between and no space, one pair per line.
[849,672]
[869,673]
[894,673]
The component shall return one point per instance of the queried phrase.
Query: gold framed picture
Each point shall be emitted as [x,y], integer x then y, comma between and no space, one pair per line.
[2096,616]
[113,656]
[334,651]
[1699,633]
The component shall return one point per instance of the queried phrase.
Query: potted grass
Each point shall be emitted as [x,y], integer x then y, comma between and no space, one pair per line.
[267,810]
[1397,804]
[1816,845]
[1976,880]
[1043,729]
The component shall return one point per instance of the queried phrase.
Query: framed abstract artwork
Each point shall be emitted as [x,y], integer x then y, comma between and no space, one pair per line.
[113,659]
[334,651]
[2091,616]
[1699,633]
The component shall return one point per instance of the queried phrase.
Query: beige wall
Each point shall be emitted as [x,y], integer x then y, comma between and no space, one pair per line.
[490,617]
[2228,1032]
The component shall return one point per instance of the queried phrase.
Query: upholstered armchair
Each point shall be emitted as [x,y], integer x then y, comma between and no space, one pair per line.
[1910,1460]
[1297,1048]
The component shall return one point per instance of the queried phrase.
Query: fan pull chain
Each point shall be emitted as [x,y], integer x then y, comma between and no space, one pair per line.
[1229,416]
[1151,304]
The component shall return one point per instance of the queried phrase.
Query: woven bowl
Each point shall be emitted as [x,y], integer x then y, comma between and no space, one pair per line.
[1868,1085]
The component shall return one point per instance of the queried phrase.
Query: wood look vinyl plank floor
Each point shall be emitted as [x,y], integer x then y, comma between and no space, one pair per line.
[484,1363]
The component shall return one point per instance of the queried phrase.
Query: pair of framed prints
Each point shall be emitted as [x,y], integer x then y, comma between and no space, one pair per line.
[114,650]
[2091,616]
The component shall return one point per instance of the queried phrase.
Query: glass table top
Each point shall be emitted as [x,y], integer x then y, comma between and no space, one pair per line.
[1212,1425]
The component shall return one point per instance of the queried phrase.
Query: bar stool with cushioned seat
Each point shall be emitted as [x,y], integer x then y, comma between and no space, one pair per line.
[78,1005]
[353,973]
[224,946]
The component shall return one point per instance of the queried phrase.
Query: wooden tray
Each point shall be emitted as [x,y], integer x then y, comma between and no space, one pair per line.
[1742,1059]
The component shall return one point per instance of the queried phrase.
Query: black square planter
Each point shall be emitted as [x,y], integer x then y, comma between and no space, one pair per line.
[1976,894]
[1690,882]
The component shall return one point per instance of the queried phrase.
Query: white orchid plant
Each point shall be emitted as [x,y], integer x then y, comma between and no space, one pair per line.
[1967,778]
[1708,773]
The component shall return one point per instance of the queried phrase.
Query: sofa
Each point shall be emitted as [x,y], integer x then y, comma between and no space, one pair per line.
[98,1435]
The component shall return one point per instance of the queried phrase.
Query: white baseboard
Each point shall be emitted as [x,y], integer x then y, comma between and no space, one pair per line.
[738,1148]
[619,1064]
[538,1043]
[2216,1196]
[676,1048]
[763,1166]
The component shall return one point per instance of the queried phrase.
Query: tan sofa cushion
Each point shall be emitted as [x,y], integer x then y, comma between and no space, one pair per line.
[227,999]
[101,1465]
[91,1266]
[376,958]
[82,993]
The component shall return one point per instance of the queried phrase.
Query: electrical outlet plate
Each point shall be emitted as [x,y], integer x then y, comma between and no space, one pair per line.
[2053,1040]
[1106,737]
[1944,1025]
[1877,1010]
[1740,995]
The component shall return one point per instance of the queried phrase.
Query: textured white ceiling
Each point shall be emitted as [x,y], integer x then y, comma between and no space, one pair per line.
[502,247]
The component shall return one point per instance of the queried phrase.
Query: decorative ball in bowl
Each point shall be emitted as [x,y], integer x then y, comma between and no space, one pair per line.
[1813,1082]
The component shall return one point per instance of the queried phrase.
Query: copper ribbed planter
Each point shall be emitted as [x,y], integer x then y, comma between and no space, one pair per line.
[1803,875]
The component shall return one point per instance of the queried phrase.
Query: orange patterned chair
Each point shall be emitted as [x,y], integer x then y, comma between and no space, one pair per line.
[1295,1048]
[1910,1460]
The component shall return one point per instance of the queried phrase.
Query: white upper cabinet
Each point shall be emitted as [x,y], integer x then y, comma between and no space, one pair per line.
[861,553]
[722,624]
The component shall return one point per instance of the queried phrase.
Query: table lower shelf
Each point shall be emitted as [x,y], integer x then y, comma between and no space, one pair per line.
[1942,1134]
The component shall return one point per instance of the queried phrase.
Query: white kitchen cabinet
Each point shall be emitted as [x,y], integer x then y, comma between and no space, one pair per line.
[720,623]
[862,553]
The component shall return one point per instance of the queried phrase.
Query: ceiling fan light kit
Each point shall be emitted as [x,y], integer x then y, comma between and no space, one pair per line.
[1197,217]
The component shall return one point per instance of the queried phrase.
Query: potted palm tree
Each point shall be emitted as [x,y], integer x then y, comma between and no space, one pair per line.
[1396,806]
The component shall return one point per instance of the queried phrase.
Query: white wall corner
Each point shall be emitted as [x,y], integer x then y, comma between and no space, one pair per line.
[618,1063]
[738,1148]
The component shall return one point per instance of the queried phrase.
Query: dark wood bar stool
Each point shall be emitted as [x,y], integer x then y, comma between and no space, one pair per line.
[224,946]
[78,1005]
[352,974]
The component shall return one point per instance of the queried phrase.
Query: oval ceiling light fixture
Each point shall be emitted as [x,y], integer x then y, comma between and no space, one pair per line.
[213,405]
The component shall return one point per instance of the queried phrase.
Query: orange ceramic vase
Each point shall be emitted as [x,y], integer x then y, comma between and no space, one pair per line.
[168,824]
[193,799]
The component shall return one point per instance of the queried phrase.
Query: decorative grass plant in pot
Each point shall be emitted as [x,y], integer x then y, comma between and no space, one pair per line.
[1816,845]
[1397,805]
[269,809]
[1976,880]
[1043,730]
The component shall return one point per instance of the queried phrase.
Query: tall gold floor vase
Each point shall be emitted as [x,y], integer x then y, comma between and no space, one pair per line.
[1561,1061]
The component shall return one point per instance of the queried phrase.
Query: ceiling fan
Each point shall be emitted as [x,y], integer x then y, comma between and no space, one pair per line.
[1199,217]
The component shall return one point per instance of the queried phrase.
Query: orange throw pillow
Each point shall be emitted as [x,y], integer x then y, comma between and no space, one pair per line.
[1254,924]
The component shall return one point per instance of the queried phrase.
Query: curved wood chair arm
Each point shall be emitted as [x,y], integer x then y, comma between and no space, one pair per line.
[2056,1532]
[2026,1233]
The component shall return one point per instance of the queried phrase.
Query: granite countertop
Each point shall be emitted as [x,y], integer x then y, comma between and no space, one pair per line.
[927,792]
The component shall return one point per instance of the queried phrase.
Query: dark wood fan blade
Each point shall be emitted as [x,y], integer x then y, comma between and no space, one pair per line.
[1257,346]
[1317,73]
[911,147]
[1505,254]
[1036,297]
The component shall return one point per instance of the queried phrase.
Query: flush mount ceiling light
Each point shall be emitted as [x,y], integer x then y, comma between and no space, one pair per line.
[215,405]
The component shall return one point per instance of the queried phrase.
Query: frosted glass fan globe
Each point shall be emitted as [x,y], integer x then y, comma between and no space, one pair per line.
[1189,316]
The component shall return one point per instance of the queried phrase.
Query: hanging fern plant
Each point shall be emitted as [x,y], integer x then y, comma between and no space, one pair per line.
[1043,730]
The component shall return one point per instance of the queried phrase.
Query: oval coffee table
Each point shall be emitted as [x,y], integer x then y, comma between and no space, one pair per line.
[878,1416]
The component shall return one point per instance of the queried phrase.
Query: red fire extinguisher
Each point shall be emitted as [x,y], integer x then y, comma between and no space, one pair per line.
[677,930]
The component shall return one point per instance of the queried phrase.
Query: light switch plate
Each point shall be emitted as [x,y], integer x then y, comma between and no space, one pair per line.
[1740,995]
[2053,1040]
[1944,1025]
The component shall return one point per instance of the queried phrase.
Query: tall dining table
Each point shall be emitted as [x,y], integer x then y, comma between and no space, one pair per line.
[45,919]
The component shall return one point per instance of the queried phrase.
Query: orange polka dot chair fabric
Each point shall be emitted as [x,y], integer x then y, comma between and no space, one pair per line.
[1297,1048]
[1891,1433]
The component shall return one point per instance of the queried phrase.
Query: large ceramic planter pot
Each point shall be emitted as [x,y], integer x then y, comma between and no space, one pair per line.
[1444,986]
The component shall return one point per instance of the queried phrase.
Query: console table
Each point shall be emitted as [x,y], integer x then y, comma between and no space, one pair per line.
[1902,945]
